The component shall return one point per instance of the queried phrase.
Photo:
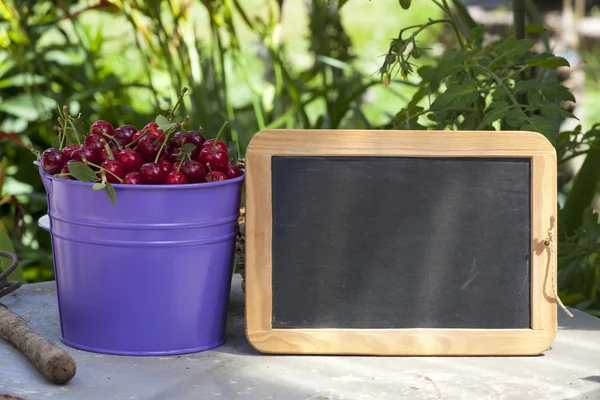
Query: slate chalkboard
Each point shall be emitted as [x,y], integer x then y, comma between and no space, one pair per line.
[401,242]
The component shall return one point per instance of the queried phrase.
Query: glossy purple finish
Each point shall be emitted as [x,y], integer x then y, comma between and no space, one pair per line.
[149,276]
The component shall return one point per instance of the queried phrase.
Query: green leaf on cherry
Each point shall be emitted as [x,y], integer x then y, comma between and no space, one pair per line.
[98,186]
[112,194]
[167,126]
[161,120]
[82,172]
[188,147]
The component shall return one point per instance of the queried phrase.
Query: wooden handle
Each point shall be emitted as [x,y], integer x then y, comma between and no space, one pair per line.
[53,362]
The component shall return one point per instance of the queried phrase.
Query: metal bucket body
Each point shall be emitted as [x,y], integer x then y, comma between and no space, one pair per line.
[149,276]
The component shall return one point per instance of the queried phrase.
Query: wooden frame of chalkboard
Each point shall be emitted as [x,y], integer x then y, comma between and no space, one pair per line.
[271,155]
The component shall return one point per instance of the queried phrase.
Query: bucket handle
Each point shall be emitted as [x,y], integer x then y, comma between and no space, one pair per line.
[44,223]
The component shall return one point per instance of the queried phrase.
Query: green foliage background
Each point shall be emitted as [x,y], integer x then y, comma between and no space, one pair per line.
[259,64]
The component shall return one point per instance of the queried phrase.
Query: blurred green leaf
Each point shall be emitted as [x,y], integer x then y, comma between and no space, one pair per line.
[535,29]
[549,62]
[457,96]
[23,79]
[28,106]
[581,194]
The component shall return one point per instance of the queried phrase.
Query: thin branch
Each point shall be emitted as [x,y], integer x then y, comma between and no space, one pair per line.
[454,25]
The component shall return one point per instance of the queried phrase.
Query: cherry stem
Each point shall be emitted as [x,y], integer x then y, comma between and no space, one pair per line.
[218,134]
[34,151]
[75,130]
[179,98]
[138,139]
[109,152]
[185,121]
[114,140]
[63,134]
[104,169]
[211,172]
[184,156]
[166,139]
[183,132]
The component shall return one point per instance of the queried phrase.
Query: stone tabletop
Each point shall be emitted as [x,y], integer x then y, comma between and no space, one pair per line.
[570,369]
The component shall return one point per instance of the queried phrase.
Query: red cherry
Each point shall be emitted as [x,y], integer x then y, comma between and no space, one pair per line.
[174,148]
[176,178]
[166,166]
[175,141]
[231,171]
[124,134]
[193,171]
[116,168]
[158,134]
[65,169]
[148,148]
[90,155]
[215,176]
[99,127]
[174,155]
[152,129]
[69,149]
[53,160]
[130,159]
[152,174]
[137,135]
[132,178]
[220,146]
[150,125]
[217,159]
[96,142]
[196,138]
[113,145]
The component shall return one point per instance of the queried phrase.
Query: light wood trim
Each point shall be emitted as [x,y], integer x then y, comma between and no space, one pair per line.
[258,242]
[405,342]
[269,143]
[544,213]
[405,143]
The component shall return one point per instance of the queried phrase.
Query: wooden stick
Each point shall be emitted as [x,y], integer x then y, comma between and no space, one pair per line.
[52,361]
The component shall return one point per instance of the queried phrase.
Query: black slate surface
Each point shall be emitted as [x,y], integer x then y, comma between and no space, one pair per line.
[376,242]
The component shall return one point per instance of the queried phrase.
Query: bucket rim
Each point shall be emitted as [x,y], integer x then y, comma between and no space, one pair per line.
[124,186]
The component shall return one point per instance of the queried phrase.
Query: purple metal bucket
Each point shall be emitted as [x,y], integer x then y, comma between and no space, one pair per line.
[149,276]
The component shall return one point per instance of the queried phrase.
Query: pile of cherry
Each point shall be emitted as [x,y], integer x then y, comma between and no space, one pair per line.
[149,156]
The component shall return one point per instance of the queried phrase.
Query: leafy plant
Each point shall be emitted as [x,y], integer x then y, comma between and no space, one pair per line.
[579,261]
[478,85]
